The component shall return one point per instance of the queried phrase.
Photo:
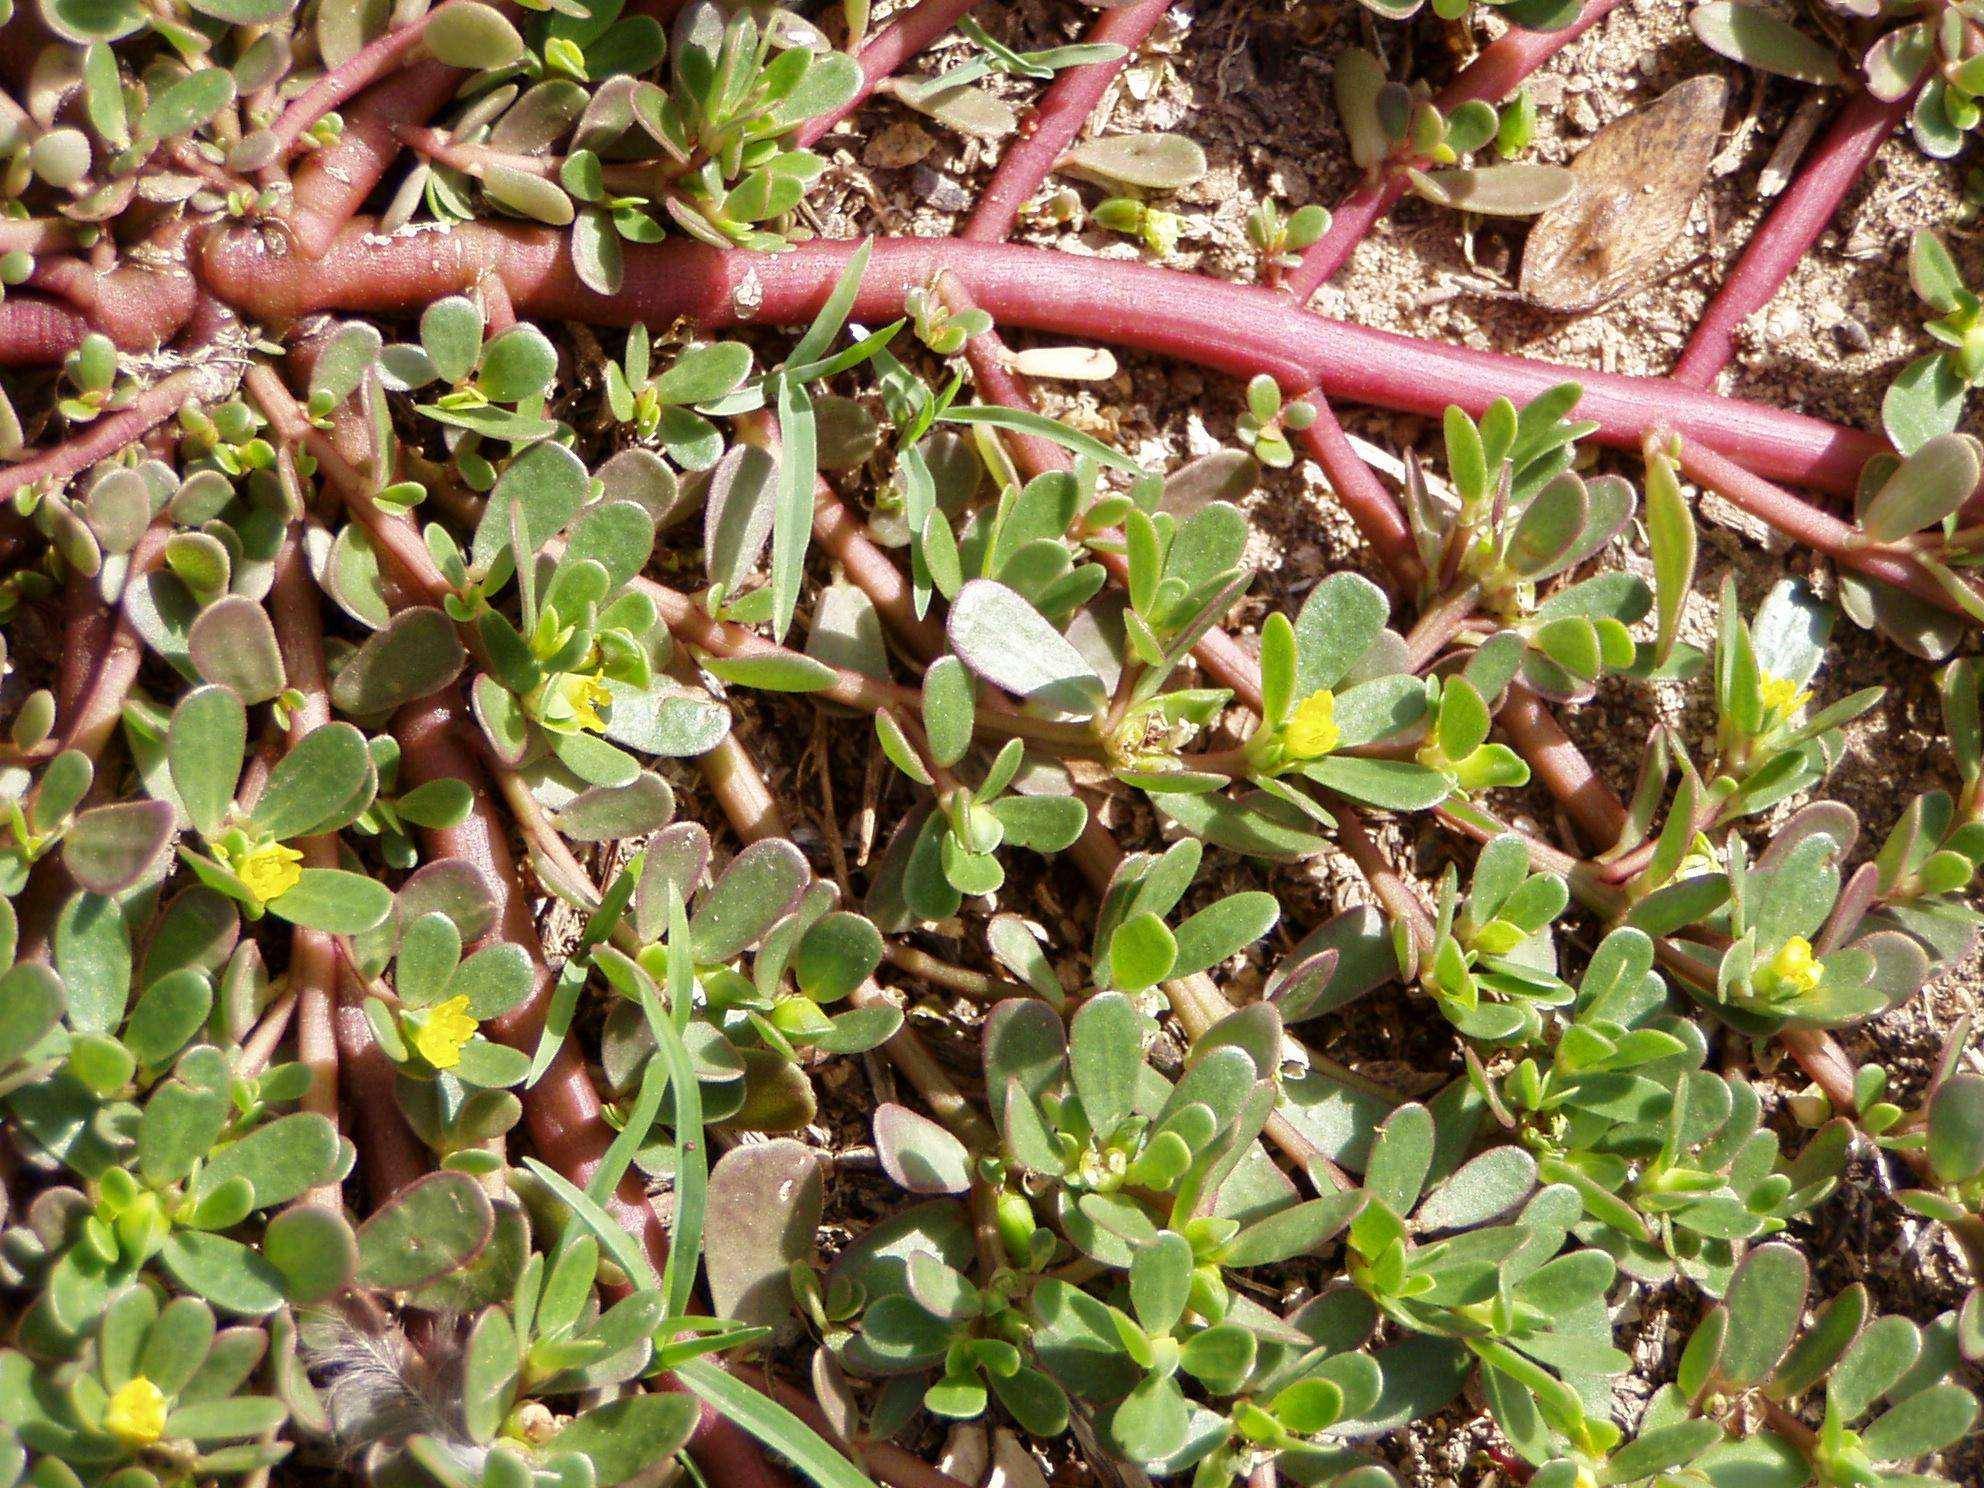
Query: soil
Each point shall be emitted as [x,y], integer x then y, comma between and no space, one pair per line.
[1250,81]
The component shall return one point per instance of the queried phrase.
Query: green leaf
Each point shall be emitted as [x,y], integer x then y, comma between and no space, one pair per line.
[435,1225]
[323,783]
[949,709]
[1142,953]
[1925,1422]
[918,1154]
[1671,534]
[1337,624]
[1105,1057]
[281,1160]
[792,525]
[1161,1282]
[204,745]
[1008,642]
[1757,38]
[628,1436]
[335,901]
[1767,1298]
[1926,487]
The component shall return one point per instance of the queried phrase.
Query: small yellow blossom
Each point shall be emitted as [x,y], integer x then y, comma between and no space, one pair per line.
[269,870]
[579,696]
[1784,699]
[136,1413]
[1794,966]
[442,1031]
[1311,731]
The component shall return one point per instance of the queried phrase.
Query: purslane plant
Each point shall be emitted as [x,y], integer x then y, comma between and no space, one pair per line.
[323,1152]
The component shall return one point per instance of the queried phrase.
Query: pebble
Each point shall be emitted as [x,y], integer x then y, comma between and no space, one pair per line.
[938,190]
[903,143]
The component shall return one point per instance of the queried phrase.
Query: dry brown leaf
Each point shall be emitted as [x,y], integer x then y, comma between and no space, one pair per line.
[1636,181]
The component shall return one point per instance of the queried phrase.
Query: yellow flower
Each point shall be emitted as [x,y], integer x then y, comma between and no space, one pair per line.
[442,1031]
[270,870]
[136,1413]
[1311,731]
[1784,699]
[1794,966]
[578,697]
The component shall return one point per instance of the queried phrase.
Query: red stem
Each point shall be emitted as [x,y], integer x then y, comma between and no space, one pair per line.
[332,183]
[1562,768]
[1807,524]
[1784,237]
[1370,505]
[563,1108]
[1490,77]
[1063,110]
[1235,328]
[909,33]
[35,332]
[313,967]
[356,73]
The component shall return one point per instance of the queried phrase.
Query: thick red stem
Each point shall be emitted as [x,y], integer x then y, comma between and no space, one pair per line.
[1805,523]
[1069,101]
[909,33]
[1785,236]
[358,72]
[1234,328]
[1490,77]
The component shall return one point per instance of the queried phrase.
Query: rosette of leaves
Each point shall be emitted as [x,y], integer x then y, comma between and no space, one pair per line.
[1769,743]
[325,783]
[1022,541]
[95,385]
[1674,1168]
[1476,1260]
[1337,703]
[1880,1383]
[1775,955]
[434,805]
[1515,517]
[1924,869]
[1134,948]
[1493,966]
[431,1027]
[174,1163]
[770,954]
[1389,122]
[578,674]
[96,158]
[1280,238]
[952,849]
[967,1336]
[1915,500]
[1924,50]
[1926,401]
[156,1395]
[477,390]
[551,1338]
[1115,1152]
[107,849]
[737,88]
[1264,428]
[668,405]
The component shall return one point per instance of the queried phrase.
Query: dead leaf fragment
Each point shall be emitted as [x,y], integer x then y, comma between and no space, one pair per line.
[1636,181]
